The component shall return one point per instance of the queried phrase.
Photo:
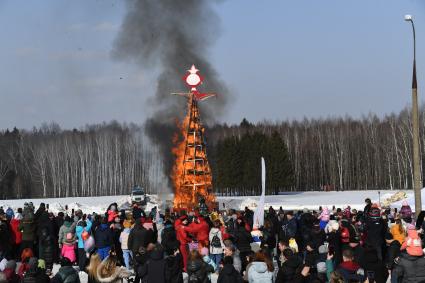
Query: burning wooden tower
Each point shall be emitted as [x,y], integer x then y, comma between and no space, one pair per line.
[192,175]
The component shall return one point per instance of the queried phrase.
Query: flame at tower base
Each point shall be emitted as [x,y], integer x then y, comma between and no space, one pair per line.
[191,176]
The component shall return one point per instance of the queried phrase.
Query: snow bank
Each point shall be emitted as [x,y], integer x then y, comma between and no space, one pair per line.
[86,204]
[310,200]
[289,201]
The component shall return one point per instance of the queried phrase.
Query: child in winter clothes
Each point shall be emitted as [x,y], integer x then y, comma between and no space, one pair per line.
[324,217]
[216,243]
[413,243]
[206,258]
[124,243]
[398,232]
[68,248]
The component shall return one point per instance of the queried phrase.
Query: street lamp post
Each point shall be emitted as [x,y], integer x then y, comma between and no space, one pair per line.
[417,185]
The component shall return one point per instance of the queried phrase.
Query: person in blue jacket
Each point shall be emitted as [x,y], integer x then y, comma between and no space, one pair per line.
[82,225]
[103,239]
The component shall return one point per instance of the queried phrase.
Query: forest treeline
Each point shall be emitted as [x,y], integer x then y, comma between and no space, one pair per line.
[341,153]
[106,159]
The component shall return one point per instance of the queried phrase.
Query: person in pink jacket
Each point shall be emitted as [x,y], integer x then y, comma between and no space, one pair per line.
[68,248]
[324,218]
[112,212]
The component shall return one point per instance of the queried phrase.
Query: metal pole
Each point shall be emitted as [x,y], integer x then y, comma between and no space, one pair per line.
[417,186]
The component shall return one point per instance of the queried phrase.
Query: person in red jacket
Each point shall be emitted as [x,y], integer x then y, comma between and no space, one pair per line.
[16,233]
[182,233]
[112,212]
[202,230]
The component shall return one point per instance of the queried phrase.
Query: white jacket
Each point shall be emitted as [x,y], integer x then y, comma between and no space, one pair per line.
[213,250]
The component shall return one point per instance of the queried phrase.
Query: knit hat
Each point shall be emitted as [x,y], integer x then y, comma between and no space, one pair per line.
[293,245]
[33,262]
[18,216]
[204,251]
[332,225]
[41,264]
[323,249]
[410,227]
[148,224]
[9,213]
[321,267]
[127,224]
[374,213]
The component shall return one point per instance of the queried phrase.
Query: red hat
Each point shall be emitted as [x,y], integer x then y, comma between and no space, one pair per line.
[183,217]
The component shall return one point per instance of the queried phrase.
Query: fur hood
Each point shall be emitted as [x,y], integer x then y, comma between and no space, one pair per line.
[115,277]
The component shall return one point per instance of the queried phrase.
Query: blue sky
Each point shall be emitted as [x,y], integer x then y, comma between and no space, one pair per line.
[280,59]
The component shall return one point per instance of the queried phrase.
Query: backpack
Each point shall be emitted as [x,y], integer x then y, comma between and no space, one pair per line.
[345,235]
[356,235]
[215,242]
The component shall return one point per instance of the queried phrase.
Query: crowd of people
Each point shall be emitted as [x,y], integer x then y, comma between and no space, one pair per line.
[328,245]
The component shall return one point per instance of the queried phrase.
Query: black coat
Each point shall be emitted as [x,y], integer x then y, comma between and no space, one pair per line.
[334,240]
[66,274]
[318,237]
[288,229]
[229,275]
[410,269]
[269,235]
[169,238]
[375,231]
[36,276]
[200,270]
[393,251]
[156,267]
[173,269]
[47,246]
[43,222]
[103,237]
[137,238]
[151,236]
[5,238]
[372,265]
[243,239]
[231,227]
[290,271]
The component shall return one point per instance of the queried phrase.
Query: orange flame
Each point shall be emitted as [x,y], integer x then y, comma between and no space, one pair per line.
[191,175]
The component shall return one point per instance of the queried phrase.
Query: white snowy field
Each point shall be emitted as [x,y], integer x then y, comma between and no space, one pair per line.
[86,204]
[310,200]
[290,201]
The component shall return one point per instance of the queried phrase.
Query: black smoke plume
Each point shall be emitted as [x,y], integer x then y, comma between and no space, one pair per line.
[172,35]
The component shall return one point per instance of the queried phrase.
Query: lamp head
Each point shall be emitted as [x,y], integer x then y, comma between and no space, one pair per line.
[408,18]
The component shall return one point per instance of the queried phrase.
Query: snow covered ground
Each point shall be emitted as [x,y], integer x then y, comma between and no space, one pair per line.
[289,201]
[310,200]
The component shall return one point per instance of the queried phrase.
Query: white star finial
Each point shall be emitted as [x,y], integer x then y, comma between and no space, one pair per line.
[193,70]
